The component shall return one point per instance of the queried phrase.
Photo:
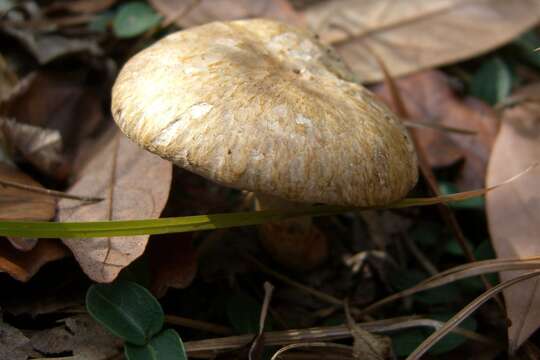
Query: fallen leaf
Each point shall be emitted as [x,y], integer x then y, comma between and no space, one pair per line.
[23,265]
[513,210]
[41,147]
[187,13]
[173,262]
[13,344]
[417,34]
[135,185]
[53,99]
[18,204]
[82,336]
[428,97]
[133,19]
[80,6]
[23,244]
[48,47]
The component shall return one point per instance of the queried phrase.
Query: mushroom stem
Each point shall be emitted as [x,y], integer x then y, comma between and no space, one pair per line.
[295,243]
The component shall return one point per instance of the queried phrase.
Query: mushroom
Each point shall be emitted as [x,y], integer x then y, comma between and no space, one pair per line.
[263,106]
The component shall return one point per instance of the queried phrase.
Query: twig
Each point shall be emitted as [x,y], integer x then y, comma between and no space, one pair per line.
[465,312]
[48,192]
[458,273]
[311,344]
[198,325]
[316,293]
[420,257]
[324,334]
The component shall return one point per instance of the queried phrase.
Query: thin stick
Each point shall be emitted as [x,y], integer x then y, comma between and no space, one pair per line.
[324,334]
[48,192]
[464,313]
[458,273]
[315,293]
[420,257]
[311,345]
[198,325]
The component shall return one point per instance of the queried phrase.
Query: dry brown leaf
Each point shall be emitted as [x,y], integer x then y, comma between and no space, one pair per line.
[513,210]
[417,34]
[135,185]
[428,97]
[82,336]
[80,6]
[17,204]
[48,47]
[187,13]
[23,265]
[52,100]
[13,344]
[173,262]
[41,147]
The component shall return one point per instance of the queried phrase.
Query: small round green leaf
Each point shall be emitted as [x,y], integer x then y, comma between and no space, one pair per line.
[167,345]
[493,81]
[126,309]
[133,19]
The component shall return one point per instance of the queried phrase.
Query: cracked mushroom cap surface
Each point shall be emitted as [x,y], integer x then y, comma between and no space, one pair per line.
[263,106]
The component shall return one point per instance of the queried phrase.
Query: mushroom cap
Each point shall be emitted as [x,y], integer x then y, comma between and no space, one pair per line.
[263,106]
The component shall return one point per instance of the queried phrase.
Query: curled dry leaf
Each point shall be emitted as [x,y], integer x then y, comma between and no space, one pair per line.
[52,100]
[39,146]
[428,97]
[48,47]
[513,210]
[23,265]
[135,185]
[417,34]
[187,13]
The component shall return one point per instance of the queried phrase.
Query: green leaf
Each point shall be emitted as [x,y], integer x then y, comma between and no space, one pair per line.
[454,248]
[164,346]
[404,342]
[493,81]
[474,285]
[244,313]
[526,44]
[133,19]
[402,280]
[426,234]
[447,188]
[126,309]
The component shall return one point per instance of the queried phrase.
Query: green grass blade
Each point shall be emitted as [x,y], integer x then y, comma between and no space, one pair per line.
[42,229]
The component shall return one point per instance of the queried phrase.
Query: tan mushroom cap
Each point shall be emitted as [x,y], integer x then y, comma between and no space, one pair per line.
[263,106]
